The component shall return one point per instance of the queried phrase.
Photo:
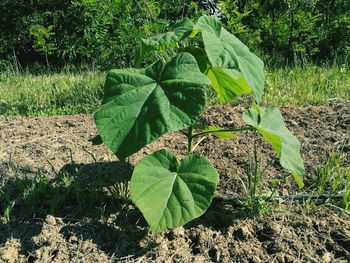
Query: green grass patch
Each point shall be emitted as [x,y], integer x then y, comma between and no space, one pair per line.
[50,94]
[71,93]
[308,85]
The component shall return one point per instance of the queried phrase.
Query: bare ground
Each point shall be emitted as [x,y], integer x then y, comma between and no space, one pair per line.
[287,233]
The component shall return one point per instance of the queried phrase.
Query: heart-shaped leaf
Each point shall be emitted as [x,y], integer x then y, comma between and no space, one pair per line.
[171,193]
[226,51]
[269,122]
[228,83]
[140,105]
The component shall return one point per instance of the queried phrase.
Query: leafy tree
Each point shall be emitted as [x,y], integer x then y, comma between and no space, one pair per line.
[291,30]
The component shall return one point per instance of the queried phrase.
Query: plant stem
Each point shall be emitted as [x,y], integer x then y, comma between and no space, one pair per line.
[255,172]
[190,139]
[226,130]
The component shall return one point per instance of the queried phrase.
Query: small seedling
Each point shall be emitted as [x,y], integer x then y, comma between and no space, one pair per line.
[254,200]
[142,104]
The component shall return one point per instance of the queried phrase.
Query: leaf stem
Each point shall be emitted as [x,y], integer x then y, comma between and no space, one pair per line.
[249,128]
[255,173]
[190,139]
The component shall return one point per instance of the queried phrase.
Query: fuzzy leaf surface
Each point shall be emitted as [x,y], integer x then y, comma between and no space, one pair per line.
[269,122]
[140,105]
[171,193]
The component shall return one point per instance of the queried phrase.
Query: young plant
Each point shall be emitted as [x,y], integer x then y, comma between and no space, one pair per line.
[142,104]
[254,200]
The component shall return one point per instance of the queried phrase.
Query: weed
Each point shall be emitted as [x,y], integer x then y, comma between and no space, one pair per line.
[76,190]
[254,200]
[333,177]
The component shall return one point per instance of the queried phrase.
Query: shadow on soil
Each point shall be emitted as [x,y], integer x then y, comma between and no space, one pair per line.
[92,201]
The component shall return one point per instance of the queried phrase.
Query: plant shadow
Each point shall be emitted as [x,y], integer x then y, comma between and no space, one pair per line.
[93,204]
[91,200]
[221,215]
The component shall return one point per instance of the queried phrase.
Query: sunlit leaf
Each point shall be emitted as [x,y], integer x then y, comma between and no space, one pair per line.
[269,122]
[228,83]
[226,51]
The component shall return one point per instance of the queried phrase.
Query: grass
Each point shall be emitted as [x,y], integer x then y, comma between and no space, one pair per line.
[86,190]
[71,93]
[333,177]
[309,85]
[74,190]
[50,94]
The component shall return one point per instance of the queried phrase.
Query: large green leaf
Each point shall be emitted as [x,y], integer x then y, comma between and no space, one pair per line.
[227,51]
[171,193]
[183,28]
[228,83]
[140,105]
[269,122]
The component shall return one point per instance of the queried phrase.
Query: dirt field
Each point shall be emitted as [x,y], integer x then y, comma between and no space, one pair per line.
[287,233]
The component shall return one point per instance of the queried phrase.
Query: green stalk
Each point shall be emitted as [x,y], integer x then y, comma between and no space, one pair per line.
[190,139]
[255,182]
[226,130]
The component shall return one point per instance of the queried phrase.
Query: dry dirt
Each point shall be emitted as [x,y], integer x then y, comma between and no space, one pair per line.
[288,233]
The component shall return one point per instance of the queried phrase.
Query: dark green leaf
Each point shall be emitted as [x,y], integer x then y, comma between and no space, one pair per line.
[183,28]
[140,105]
[97,140]
[171,193]
[200,56]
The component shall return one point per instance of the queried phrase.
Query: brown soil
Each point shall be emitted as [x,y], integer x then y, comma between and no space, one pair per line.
[288,233]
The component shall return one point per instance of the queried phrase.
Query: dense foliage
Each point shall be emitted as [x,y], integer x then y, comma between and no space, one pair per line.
[105,33]
[101,32]
[291,30]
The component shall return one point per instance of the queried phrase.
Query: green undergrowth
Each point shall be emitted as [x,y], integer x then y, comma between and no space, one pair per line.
[71,93]
[333,177]
[74,191]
